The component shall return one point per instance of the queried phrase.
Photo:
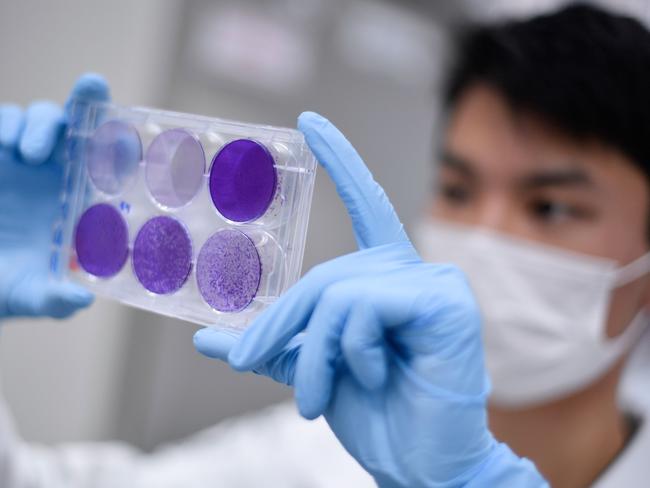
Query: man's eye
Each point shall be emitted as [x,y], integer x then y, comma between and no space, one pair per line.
[551,211]
[454,193]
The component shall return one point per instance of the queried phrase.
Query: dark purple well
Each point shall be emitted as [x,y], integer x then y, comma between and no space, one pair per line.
[242,180]
[102,240]
[113,154]
[162,255]
[228,270]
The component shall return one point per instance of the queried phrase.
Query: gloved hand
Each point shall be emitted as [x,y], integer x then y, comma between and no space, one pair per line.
[387,347]
[31,172]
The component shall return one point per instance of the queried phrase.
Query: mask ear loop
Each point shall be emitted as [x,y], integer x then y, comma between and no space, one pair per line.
[631,271]
[624,275]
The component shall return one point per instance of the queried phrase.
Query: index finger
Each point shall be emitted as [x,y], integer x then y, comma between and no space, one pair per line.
[373,217]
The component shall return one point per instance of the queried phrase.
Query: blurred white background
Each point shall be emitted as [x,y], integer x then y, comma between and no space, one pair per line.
[371,66]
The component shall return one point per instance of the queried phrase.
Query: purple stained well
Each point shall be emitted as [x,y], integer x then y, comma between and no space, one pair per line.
[162,255]
[113,154]
[102,240]
[228,271]
[174,167]
[243,180]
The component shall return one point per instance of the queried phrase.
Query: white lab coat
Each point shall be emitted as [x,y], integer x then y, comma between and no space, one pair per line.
[273,448]
[632,467]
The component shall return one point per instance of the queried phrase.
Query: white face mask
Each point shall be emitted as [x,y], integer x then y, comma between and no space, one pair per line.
[544,309]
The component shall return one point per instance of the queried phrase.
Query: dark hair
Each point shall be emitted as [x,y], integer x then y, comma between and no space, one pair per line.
[582,69]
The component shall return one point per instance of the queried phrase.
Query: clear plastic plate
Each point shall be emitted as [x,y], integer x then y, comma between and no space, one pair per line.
[188,216]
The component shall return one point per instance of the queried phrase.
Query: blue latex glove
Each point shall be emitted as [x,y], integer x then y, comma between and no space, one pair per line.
[387,347]
[31,171]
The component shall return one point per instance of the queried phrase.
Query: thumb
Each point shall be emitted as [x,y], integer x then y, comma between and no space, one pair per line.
[89,88]
[374,220]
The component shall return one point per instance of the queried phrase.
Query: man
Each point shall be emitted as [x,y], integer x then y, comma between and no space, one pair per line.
[548,141]
[542,198]
[391,355]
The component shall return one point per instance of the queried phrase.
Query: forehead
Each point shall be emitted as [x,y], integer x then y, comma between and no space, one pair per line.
[501,143]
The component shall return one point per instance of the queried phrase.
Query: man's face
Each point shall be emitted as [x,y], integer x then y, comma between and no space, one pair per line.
[515,174]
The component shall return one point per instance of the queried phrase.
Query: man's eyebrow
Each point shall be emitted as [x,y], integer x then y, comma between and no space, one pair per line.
[458,163]
[561,177]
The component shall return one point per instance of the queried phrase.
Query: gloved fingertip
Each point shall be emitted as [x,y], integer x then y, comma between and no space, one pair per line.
[43,122]
[368,364]
[239,360]
[11,124]
[240,357]
[33,153]
[308,120]
[213,343]
[312,391]
[309,115]
[91,86]
[307,407]
[64,299]
[372,379]
[80,298]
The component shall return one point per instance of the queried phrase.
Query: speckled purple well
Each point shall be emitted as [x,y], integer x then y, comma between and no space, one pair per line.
[113,154]
[228,270]
[162,255]
[174,167]
[102,240]
[243,180]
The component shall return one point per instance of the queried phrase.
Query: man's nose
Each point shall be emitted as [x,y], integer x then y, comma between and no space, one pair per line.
[496,212]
